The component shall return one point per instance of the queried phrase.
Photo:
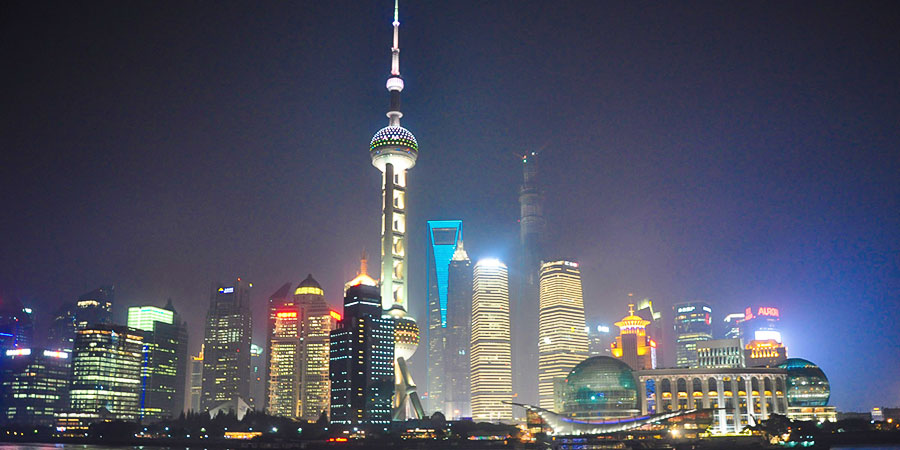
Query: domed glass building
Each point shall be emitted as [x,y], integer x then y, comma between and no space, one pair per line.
[599,387]
[807,385]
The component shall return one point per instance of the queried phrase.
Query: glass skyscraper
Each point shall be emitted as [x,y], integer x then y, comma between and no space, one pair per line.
[457,390]
[443,237]
[693,324]
[226,358]
[164,360]
[33,385]
[106,371]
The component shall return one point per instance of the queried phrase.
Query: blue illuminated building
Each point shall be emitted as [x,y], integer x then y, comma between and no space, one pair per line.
[443,238]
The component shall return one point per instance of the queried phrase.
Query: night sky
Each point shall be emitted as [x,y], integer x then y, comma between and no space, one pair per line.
[734,152]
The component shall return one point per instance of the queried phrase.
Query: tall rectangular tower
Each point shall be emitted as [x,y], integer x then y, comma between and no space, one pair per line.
[226,362]
[283,366]
[106,371]
[317,321]
[693,325]
[164,360]
[443,237]
[491,378]
[457,389]
[563,339]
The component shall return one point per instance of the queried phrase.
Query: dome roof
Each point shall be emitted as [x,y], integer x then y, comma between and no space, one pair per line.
[807,385]
[600,387]
[394,135]
[309,286]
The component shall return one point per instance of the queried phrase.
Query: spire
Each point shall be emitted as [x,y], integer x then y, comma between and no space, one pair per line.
[395,50]
[363,264]
[460,253]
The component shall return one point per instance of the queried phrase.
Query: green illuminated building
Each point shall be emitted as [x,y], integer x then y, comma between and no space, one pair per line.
[164,360]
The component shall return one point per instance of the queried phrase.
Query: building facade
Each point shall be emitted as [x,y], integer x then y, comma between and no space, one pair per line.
[164,360]
[563,341]
[764,353]
[491,354]
[33,385]
[362,360]
[457,390]
[693,324]
[742,396]
[599,340]
[720,353]
[632,345]
[443,237]
[106,371]
[283,366]
[317,321]
[95,307]
[226,345]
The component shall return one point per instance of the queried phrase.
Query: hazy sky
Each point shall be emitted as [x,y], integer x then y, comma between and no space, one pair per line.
[738,153]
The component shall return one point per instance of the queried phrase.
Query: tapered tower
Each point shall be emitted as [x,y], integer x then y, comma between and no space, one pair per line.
[394,151]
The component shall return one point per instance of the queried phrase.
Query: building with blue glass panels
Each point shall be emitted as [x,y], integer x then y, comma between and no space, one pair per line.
[443,238]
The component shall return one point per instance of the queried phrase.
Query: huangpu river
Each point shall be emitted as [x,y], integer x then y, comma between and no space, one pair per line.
[17,446]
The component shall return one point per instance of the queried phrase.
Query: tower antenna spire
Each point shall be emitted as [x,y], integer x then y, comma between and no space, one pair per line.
[395,50]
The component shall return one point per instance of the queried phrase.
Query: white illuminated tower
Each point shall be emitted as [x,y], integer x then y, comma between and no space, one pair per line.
[394,150]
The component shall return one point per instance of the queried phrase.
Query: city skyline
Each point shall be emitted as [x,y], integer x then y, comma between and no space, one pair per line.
[714,221]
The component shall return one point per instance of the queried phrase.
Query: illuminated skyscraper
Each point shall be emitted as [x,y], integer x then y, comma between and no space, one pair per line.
[656,330]
[491,354]
[164,360]
[362,358]
[633,345]
[257,373]
[525,308]
[33,385]
[394,150]
[443,237]
[563,341]
[316,322]
[457,389]
[16,325]
[226,362]
[196,380]
[106,371]
[693,324]
[283,368]
[599,340]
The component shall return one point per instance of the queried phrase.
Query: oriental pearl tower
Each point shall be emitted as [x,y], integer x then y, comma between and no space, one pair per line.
[394,150]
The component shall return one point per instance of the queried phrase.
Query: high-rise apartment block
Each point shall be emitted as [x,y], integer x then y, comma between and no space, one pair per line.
[443,238]
[693,324]
[563,341]
[106,372]
[491,354]
[226,346]
[164,360]
[362,359]
[457,389]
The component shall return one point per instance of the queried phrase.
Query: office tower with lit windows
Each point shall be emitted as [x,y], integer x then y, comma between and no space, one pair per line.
[491,353]
[106,371]
[283,367]
[633,346]
[95,307]
[457,389]
[164,360]
[196,380]
[362,359]
[563,341]
[443,237]
[524,310]
[760,323]
[393,151]
[61,332]
[693,324]
[316,322]
[226,345]
[33,385]
[731,326]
